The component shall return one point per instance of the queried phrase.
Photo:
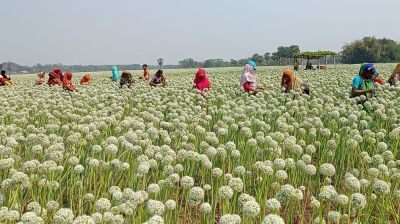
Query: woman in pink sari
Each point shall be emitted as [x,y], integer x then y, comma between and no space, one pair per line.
[201,82]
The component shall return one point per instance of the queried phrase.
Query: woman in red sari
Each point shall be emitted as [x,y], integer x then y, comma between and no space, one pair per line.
[56,77]
[201,81]
[67,82]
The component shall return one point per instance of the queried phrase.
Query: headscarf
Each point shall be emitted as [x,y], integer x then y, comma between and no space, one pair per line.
[201,80]
[253,64]
[395,76]
[68,76]
[295,82]
[55,77]
[59,73]
[366,67]
[247,76]
[126,74]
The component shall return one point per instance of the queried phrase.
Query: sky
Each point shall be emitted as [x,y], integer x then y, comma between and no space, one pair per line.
[141,31]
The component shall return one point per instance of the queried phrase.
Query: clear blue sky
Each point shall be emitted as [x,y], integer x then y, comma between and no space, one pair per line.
[140,31]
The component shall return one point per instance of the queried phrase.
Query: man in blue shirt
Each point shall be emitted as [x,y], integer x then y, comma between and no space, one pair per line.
[362,83]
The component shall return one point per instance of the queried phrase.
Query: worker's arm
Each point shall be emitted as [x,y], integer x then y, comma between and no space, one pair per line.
[357,92]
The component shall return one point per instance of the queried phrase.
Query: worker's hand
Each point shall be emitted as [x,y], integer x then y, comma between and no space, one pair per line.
[371,90]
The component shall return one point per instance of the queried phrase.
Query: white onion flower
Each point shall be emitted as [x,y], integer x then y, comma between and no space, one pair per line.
[155,207]
[225,192]
[64,216]
[272,219]
[230,219]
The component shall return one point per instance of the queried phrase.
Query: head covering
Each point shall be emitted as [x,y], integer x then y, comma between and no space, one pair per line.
[68,76]
[366,67]
[126,75]
[247,76]
[201,80]
[54,78]
[58,72]
[41,74]
[295,82]
[252,63]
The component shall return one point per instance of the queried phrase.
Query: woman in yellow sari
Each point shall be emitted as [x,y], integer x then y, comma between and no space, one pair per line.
[395,77]
[291,82]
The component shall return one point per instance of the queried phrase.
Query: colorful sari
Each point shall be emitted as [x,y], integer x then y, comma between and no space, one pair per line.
[201,81]
[67,82]
[86,80]
[248,77]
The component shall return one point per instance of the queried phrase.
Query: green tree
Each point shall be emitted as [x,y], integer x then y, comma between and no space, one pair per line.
[371,49]
[234,63]
[390,50]
[188,63]
[267,57]
[258,59]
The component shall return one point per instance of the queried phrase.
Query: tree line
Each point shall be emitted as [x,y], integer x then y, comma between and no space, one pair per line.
[368,49]
[267,59]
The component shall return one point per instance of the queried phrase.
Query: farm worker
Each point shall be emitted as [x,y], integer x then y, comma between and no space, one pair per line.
[292,82]
[68,83]
[395,77]
[146,73]
[296,66]
[309,66]
[115,73]
[86,80]
[201,82]
[248,79]
[55,77]
[126,79]
[4,80]
[158,79]
[40,78]
[362,83]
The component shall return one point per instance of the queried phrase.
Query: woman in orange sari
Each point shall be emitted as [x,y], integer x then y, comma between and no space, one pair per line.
[86,80]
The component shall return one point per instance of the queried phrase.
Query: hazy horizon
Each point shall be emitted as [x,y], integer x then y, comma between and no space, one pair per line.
[136,32]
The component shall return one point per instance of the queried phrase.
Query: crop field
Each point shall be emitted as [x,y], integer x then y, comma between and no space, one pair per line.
[169,155]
